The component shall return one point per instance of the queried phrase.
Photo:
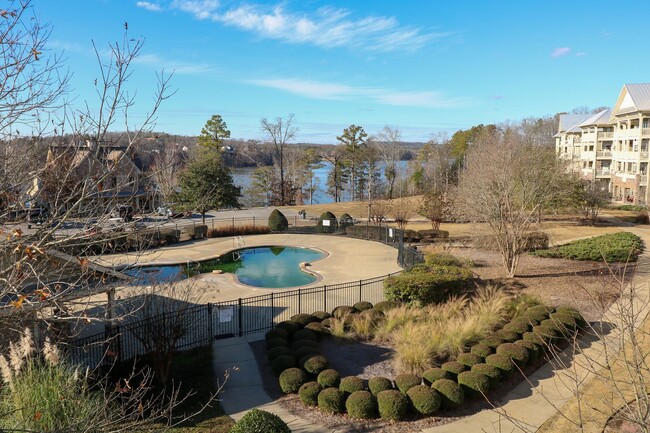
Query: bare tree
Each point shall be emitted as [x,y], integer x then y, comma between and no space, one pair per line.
[387,143]
[166,166]
[402,211]
[280,133]
[505,183]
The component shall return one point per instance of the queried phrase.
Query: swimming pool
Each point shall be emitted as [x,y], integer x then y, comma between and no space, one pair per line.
[268,267]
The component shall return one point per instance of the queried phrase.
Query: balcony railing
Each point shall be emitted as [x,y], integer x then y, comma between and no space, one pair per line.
[604,154]
[645,131]
[603,172]
[644,154]
[605,135]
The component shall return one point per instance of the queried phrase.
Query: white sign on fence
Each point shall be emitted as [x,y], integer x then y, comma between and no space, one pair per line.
[326,223]
[390,232]
[225,314]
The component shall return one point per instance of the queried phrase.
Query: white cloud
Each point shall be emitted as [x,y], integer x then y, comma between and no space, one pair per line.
[326,27]
[154,7]
[581,54]
[334,91]
[559,52]
[180,68]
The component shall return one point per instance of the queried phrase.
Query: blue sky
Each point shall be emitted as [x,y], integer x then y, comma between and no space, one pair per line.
[421,66]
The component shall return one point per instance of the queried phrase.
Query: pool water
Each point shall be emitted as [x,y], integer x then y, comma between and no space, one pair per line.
[269,267]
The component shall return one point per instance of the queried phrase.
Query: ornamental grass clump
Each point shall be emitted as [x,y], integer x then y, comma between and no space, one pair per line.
[361,405]
[393,405]
[331,400]
[451,393]
[292,379]
[308,393]
[425,400]
[377,384]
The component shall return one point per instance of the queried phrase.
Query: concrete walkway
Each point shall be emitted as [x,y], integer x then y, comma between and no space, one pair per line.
[527,406]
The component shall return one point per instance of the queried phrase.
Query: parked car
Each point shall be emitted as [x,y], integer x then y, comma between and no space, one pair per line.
[169,213]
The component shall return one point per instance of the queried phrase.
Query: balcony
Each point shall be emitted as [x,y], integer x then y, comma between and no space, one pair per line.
[645,131]
[605,135]
[604,154]
[644,154]
[603,172]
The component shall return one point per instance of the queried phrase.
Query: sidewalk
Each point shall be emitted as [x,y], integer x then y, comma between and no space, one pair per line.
[527,407]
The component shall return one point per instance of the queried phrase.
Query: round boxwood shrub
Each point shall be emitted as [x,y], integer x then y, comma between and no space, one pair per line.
[276,333]
[292,379]
[322,227]
[379,384]
[482,350]
[474,384]
[313,364]
[436,373]
[384,306]
[362,306]
[305,351]
[276,342]
[321,315]
[424,400]
[534,338]
[305,343]
[537,313]
[342,311]
[278,222]
[491,372]
[517,353]
[451,393]
[393,405]
[454,367]
[566,320]
[518,325]
[544,309]
[350,384]
[361,405]
[503,363]
[547,332]
[404,382]
[282,362]
[326,322]
[278,351]
[350,319]
[304,334]
[308,393]
[317,328]
[331,400]
[507,336]
[329,378]
[559,327]
[469,359]
[532,348]
[375,316]
[492,341]
[580,321]
[304,319]
[260,421]
[289,326]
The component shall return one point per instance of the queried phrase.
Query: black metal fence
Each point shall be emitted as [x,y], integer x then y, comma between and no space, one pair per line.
[203,323]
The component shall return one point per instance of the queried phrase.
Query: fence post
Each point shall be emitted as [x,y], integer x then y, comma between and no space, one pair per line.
[239,318]
[299,301]
[325,297]
[272,315]
[360,291]
[210,329]
[233,224]
[254,222]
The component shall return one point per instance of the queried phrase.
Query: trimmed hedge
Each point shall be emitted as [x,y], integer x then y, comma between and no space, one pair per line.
[304,319]
[454,368]
[276,342]
[305,343]
[278,351]
[321,315]
[404,382]
[362,306]
[260,421]
[333,223]
[292,379]
[489,371]
[308,393]
[350,384]
[533,349]
[278,222]
[580,321]
[329,378]
[379,384]
[493,341]
[501,362]
[317,328]
[361,405]
[343,310]
[276,333]
[613,247]
[436,373]
[517,353]
[474,384]
[331,400]
[507,336]
[305,351]
[313,364]
[289,326]
[393,405]
[422,286]
[304,334]
[518,325]
[482,350]
[446,259]
[451,393]
[282,362]
[424,400]
[384,306]
[469,359]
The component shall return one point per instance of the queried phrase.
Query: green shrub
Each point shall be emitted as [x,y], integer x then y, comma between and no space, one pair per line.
[276,342]
[535,338]
[299,344]
[436,373]
[547,332]
[308,393]
[361,405]
[384,306]
[329,378]
[379,384]
[404,382]
[362,306]
[518,325]
[278,351]
[474,384]
[350,384]
[322,227]
[343,310]
[451,393]
[454,367]
[446,259]
[489,371]
[565,321]
[305,351]
[393,405]
[418,287]
[538,313]
[412,236]
[327,322]
[278,222]
[313,364]
[533,349]
[613,247]
[331,400]
[259,421]
[375,316]
[579,320]
[482,350]
[304,319]
[282,362]
[346,221]
[321,315]
[469,359]
[292,379]
[507,336]
[425,400]
[289,326]
[350,319]
[276,333]
[318,328]
[304,334]
[492,341]
[503,363]
[433,234]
